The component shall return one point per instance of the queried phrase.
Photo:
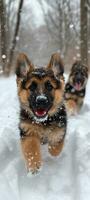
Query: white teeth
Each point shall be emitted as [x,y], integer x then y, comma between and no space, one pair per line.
[38,120]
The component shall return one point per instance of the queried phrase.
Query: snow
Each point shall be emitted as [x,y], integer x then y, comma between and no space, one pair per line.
[66,177]
[3,56]
[71,25]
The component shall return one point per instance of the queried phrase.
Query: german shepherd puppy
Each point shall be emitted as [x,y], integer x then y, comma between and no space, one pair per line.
[76,87]
[43,115]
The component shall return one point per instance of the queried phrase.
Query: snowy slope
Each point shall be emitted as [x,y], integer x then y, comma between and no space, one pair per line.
[64,178]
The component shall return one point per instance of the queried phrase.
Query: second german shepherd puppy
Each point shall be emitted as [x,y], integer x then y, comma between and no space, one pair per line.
[75,88]
[43,115]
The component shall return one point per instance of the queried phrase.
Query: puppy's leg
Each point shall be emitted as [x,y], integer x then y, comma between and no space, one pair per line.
[55,150]
[71,107]
[80,103]
[31,150]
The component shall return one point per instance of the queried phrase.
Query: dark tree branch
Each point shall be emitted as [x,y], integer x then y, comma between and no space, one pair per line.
[83,31]
[14,41]
[3,34]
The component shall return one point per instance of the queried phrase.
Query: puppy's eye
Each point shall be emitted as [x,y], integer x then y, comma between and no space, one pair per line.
[33,86]
[82,73]
[48,86]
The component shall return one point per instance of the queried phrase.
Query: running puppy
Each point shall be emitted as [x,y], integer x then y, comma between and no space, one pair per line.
[43,116]
[76,87]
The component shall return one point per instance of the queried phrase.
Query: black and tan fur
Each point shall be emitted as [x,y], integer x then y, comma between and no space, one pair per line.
[40,89]
[75,88]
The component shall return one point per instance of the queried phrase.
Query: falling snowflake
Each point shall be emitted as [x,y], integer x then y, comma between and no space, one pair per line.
[71,25]
[78,55]
[17,38]
[3,56]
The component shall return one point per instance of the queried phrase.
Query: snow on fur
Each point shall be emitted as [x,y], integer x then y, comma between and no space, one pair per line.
[66,177]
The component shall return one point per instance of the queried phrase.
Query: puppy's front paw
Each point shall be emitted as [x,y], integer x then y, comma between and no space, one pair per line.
[71,107]
[72,112]
[32,154]
[34,171]
[33,166]
[55,150]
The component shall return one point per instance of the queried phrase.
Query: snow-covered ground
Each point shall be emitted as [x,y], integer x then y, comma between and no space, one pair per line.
[64,178]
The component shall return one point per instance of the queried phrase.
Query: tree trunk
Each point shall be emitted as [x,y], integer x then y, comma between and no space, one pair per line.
[14,41]
[3,35]
[83,31]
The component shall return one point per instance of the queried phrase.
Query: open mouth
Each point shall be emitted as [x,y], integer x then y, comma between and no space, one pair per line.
[40,112]
[77,86]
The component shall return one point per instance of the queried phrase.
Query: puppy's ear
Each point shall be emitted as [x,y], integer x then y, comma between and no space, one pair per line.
[76,65]
[23,66]
[56,65]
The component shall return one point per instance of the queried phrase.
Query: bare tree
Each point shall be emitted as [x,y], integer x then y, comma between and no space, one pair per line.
[84,30]
[60,22]
[14,41]
[3,26]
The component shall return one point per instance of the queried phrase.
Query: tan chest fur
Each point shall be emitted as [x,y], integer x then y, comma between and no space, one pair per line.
[47,134]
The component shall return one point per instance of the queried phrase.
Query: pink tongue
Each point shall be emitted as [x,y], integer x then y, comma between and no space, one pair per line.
[77,86]
[40,113]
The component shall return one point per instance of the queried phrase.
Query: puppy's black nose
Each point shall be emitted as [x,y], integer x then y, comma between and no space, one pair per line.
[78,78]
[41,101]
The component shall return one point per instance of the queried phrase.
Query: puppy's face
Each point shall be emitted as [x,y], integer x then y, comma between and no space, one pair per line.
[40,90]
[79,75]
